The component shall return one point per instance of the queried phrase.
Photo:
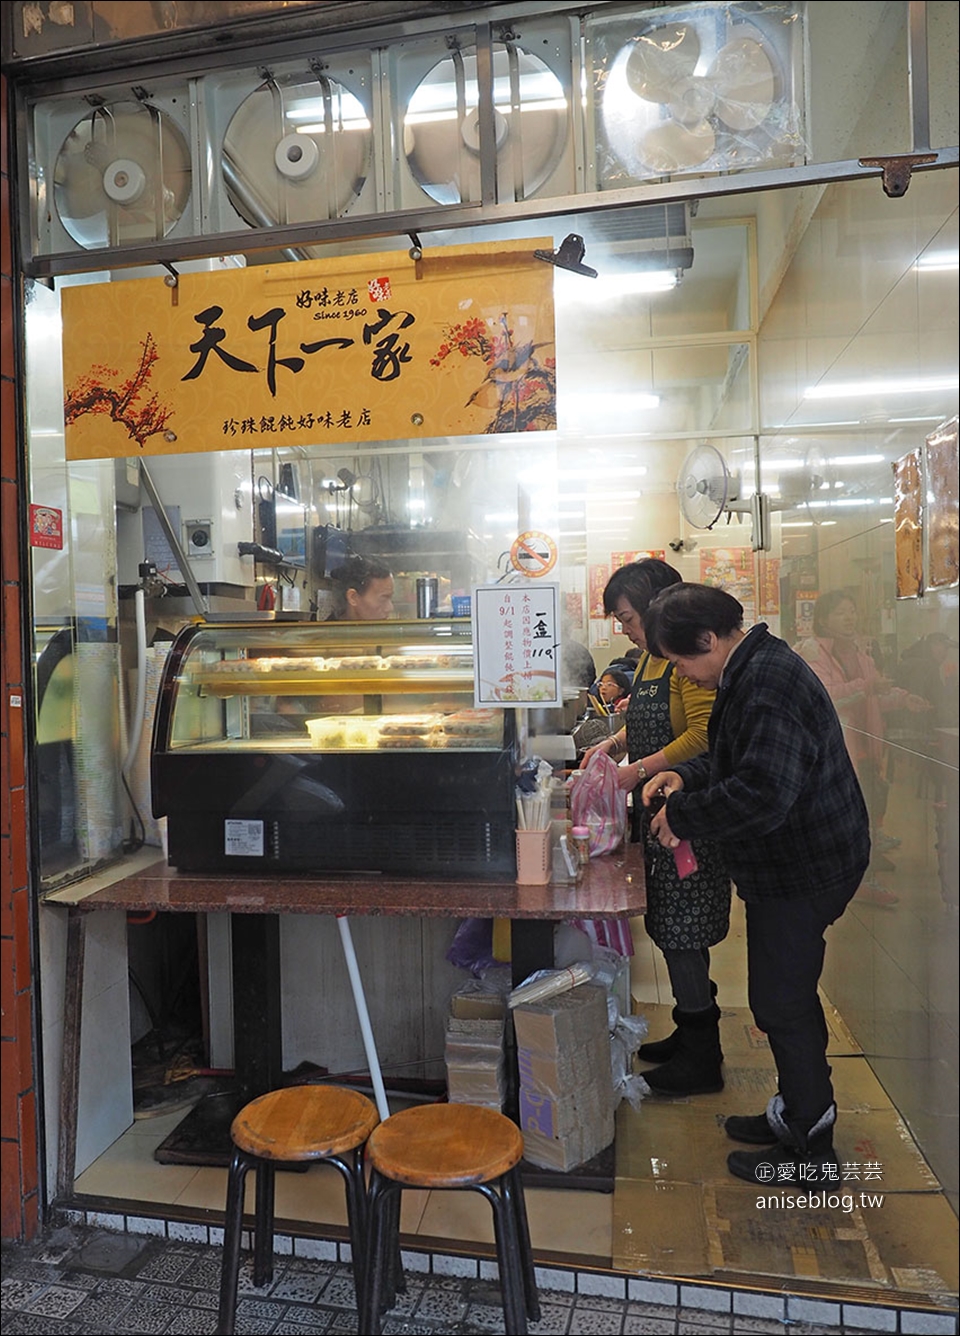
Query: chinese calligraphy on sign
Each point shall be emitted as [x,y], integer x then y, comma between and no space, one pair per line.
[313,352]
[517,644]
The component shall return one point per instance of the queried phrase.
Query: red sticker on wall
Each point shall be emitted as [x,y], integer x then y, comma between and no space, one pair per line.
[46,527]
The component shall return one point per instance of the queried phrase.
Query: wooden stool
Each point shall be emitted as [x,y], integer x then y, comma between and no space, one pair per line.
[446,1146]
[309,1123]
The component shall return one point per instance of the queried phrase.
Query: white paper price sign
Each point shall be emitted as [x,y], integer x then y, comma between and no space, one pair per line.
[517,644]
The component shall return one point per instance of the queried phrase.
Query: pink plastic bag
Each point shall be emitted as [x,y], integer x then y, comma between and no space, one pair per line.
[598,802]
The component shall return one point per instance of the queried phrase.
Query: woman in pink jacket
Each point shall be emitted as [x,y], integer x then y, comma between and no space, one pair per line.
[862,696]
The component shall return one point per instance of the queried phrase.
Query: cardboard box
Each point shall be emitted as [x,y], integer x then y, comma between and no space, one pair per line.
[474,1042]
[475,1062]
[471,1005]
[560,1023]
[477,1085]
[566,1084]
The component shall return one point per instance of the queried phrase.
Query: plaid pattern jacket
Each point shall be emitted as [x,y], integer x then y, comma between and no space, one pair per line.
[777,789]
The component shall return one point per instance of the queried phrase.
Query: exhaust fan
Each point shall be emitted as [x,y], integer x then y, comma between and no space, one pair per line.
[438,117]
[298,148]
[122,175]
[696,89]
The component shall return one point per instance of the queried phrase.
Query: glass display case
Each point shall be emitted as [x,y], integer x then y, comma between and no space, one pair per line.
[332,746]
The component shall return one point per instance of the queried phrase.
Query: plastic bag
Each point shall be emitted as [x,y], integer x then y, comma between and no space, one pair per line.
[598,802]
[472,946]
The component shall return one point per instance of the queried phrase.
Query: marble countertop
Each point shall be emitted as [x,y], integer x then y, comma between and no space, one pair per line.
[612,887]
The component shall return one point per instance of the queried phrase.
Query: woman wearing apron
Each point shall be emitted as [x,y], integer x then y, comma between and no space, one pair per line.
[666,722]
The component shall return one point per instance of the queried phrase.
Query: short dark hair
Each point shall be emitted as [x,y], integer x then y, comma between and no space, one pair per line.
[615,675]
[357,572]
[826,604]
[679,620]
[638,582]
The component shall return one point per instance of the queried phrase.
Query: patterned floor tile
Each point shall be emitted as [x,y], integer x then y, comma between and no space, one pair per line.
[76,1282]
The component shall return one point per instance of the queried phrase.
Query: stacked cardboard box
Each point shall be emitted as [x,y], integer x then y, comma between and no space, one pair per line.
[474,1050]
[566,1087]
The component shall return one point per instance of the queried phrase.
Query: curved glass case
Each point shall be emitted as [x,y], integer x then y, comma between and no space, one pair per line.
[332,745]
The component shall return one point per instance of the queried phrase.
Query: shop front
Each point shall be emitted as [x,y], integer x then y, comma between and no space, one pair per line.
[503,306]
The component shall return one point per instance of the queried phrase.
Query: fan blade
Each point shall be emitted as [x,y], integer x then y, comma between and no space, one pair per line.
[441,139]
[671,147]
[660,58]
[744,82]
[692,101]
[297,151]
[108,168]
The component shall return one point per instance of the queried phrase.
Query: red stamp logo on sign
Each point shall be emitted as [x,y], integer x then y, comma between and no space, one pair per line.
[378,289]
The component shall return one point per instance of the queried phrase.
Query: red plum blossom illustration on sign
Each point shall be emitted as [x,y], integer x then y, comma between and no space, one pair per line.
[102,391]
[518,386]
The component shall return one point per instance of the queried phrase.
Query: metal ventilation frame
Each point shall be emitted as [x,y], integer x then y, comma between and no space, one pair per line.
[209,225]
[52,122]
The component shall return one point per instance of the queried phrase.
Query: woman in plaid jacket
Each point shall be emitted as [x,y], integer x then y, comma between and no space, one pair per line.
[778,792]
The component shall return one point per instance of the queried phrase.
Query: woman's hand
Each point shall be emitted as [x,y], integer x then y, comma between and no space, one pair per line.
[917,704]
[603,746]
[612,746]
[666,782]
[628,776]
[654,794]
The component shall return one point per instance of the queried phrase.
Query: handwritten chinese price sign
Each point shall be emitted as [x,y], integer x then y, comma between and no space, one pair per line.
[517,645]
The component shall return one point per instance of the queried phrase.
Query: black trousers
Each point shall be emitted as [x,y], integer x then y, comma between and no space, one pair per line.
[785,950]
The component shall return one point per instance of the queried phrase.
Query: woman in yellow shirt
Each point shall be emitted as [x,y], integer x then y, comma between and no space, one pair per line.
[666,722]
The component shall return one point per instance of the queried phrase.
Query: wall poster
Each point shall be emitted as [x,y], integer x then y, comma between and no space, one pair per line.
[907,520]
[597,577]
[732,569]
[943,539]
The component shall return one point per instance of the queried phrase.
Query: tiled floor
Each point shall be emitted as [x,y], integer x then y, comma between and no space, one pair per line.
[90,1282]
[677,1233]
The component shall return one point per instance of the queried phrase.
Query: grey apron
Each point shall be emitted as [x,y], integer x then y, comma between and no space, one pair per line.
[686,913]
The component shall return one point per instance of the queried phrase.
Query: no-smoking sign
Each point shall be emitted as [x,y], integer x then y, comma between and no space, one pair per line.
[534,553]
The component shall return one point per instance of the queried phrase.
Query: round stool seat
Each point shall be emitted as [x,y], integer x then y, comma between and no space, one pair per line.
[308,1122]
[445,1146]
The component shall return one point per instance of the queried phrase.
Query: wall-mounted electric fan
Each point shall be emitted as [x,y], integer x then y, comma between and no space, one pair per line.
[702,88]
[122,175]
[707,489]
[806,487]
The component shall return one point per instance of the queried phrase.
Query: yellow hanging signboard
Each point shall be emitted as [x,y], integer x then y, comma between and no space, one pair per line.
[360,348]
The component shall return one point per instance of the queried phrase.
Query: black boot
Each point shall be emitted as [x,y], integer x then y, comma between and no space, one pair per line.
[753,1128]
[799,1155]
[662,1050]
[695,1067]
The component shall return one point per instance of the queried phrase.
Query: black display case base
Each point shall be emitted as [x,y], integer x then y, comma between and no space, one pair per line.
[596,1175]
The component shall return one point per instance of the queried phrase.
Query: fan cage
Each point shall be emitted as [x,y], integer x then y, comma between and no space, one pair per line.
[578,51]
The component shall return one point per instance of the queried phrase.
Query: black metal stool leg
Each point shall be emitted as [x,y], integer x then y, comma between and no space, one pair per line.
[232,1233]
[351,1170]
[263,1228]
[513,1187]
[396,1280]
[380,1251]
[508,1261]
